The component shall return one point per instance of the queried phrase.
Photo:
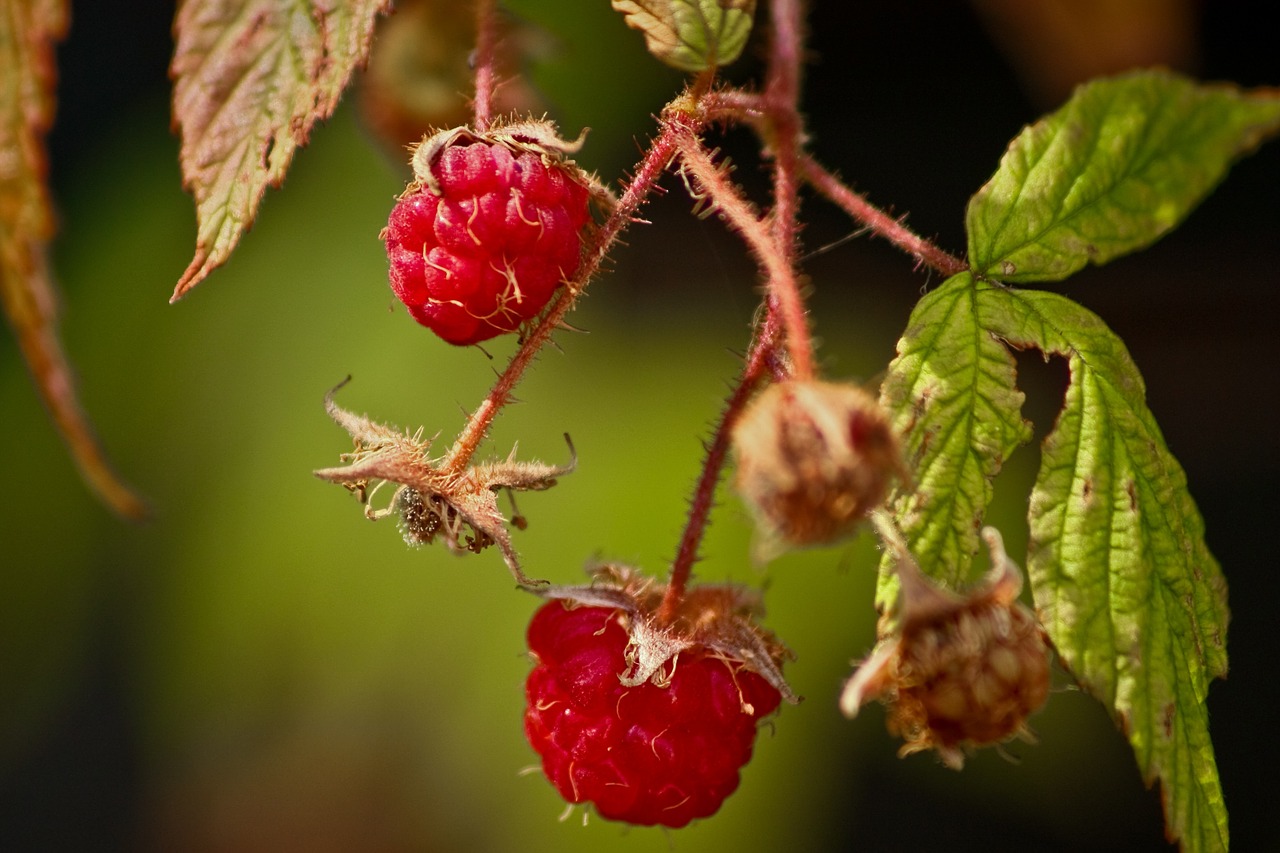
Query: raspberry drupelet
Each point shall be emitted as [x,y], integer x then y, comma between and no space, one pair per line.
[487,231]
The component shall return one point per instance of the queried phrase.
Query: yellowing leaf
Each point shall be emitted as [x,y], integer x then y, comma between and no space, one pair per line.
[951,396]
[1120,571]
[1123,162]
[692,35]
[1127,588]
[251,78]
[28,30]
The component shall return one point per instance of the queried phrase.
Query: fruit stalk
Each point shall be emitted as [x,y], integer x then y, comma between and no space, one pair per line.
[647,173]
[779,275]
[877,221]
[762,353]
[486,35]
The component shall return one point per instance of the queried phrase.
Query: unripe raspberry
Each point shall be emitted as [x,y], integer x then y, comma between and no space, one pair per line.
[813,458]
[487,231]
[959,671]
[648,725]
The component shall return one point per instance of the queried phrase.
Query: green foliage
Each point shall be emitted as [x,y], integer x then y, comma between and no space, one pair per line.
[692,35]
[952,397]
[1122,163]
[1120,571]
[1126,586]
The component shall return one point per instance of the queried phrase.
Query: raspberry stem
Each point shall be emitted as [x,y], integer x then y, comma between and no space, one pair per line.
[736,105]
[877,220]
[647,173]
[779,274]
[782,95]
[486,35]
[760,359]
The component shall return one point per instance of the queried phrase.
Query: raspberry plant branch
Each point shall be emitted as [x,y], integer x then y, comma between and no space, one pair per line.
[647,173]
[485,59]
[754,110]
[737,211]
[782,97]
[757,364]
[877,220]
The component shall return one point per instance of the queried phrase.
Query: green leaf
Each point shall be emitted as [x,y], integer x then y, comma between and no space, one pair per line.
[1120,571]
[251,78]
[950,394]
[28,32]
[692,35]
[1122,163]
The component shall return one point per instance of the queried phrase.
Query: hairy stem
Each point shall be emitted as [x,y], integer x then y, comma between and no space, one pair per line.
[759,361]
[646,177]
[782,97]
[878,221]
[485,58]
[780,276]
[736,105]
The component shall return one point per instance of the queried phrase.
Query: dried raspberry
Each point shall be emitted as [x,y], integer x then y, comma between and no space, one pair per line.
[487,231]
[813,458]
[645,754]
[959,671]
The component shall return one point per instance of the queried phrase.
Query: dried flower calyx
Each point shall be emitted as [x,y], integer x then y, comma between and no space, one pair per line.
[813,458]
[433,498]
[955,671]
[717,617]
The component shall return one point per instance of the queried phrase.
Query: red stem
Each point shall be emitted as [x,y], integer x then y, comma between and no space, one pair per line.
[878,221]
[782,96]
[782,100]
[780,277]
[486,36]
[758,363]
[646,177]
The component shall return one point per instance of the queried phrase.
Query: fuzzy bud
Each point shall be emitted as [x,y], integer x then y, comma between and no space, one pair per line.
[813,458]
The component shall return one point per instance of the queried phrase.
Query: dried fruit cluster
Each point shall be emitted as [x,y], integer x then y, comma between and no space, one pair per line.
[956,670]
[813,458]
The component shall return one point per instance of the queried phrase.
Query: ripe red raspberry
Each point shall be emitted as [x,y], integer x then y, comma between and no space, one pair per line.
[487,231]
[646,754]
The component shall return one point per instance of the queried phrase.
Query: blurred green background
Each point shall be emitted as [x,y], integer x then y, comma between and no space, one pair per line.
[259,668]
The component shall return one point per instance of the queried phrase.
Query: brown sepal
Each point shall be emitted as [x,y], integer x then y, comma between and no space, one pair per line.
[459,506]
[719,617]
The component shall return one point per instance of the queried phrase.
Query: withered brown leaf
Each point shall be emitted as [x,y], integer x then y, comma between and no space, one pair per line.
[251,78]
[28,31]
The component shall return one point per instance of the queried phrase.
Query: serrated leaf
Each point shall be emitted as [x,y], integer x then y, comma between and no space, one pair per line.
[28,31]
[1124,161]
[692,35]
[1120,571]
[951,395]
[251,78]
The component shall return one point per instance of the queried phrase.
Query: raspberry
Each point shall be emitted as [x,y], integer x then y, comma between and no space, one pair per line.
[487,231]
[655,753]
